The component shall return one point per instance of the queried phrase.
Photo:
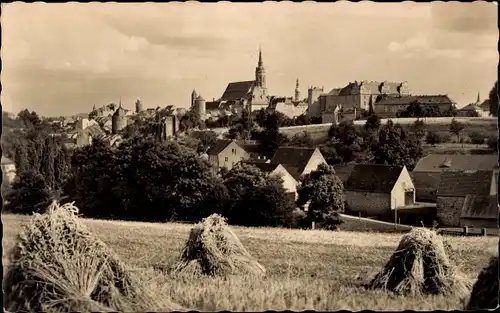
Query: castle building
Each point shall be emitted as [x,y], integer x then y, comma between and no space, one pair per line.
[199,106]
[358,97]
[138,106]
[119,120]
[166,128]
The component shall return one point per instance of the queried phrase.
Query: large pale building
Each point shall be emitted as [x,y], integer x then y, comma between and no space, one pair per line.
[358,97]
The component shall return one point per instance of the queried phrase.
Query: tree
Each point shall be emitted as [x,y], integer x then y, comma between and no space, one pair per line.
[397,147]
[477,138]
[190,120]
[492,143]
[207,139]
[325,193]
[418,129]
[29,194]
[433,138]
[270,138]
[346,140]
[414,109]
[29,119]
[493,99]
[303,139]
[256,199]
[372,123]
[456,128]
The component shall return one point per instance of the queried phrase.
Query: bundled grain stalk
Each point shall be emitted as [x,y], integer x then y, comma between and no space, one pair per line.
[485,291]
[420,265]
[213,249]
[58,265]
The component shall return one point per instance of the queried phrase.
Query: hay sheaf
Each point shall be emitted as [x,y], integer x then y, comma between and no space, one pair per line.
[58,265]
[420,265]
[485,291]
[213,249]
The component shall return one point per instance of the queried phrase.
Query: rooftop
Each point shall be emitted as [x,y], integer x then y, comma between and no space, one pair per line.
[373,178]
[462,183]
[456,162]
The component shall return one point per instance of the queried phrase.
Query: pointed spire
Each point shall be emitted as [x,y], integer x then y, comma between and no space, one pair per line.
[260,56]
[297,83]
[120,105]
[478,98]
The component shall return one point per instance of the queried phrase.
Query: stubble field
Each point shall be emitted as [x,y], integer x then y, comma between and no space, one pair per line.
[317,270]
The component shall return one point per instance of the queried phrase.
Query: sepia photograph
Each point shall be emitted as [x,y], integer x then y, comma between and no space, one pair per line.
[246,157]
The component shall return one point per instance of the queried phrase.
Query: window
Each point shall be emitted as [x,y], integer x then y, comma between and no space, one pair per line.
[226,159]
[234,151]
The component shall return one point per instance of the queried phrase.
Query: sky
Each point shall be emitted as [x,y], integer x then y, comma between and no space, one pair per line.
[61,59]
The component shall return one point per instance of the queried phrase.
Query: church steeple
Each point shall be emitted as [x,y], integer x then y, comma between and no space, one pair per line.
[478,98]
[297,91]
[260,72]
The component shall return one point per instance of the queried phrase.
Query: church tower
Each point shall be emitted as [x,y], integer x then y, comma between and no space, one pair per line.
[260,73]
[478,101]
[194,96]
[297,91]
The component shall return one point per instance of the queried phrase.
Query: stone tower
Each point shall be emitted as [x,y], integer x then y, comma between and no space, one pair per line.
[200,106]
[260,73]
[138,106]
[194,96]
[297,91]
[119,120]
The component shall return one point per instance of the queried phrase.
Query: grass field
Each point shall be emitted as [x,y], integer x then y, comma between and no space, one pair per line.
[317,270]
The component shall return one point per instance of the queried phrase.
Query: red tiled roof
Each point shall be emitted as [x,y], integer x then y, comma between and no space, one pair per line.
[373,178]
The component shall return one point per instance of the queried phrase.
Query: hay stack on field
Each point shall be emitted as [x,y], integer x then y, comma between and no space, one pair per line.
[213,249]
[485,291]
[420,265]
[58,265]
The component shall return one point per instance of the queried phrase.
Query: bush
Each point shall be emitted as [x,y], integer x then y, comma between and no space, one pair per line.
[492,143]
[477,138]
[433,138]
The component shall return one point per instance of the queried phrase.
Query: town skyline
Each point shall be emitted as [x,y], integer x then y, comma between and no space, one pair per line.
[84,54]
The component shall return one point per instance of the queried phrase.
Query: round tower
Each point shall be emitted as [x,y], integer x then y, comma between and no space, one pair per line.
[297,91]
[119,120]
[193,97]
[138,106]
[200,106]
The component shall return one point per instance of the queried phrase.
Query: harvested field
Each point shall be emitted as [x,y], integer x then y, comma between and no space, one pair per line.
[318,270]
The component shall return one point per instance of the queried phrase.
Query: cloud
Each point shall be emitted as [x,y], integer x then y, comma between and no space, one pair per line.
[476,17]
[73,55]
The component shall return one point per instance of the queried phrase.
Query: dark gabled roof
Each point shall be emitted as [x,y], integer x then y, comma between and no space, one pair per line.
[456,162]
[424,100]
[373,178]
[264,167]
[426,180]
[237,90]
[293,159]
[484,207]
[462,183]
[220,145]
[212,105]
[343,171]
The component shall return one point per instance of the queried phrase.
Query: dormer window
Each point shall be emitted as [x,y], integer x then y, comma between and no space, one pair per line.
[446,163]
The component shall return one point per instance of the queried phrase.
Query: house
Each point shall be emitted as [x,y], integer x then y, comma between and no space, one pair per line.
[427,172]
[289,183]
[472,110]
[298,160]
[389,106]
[455,186]
[480,212]
[377,190]
[8,170]
[226,153]
[253,150]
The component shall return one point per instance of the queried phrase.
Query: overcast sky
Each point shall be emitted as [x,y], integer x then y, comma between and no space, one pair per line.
[60,59]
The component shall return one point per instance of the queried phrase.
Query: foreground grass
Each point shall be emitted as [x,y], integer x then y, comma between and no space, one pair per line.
[306,269]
